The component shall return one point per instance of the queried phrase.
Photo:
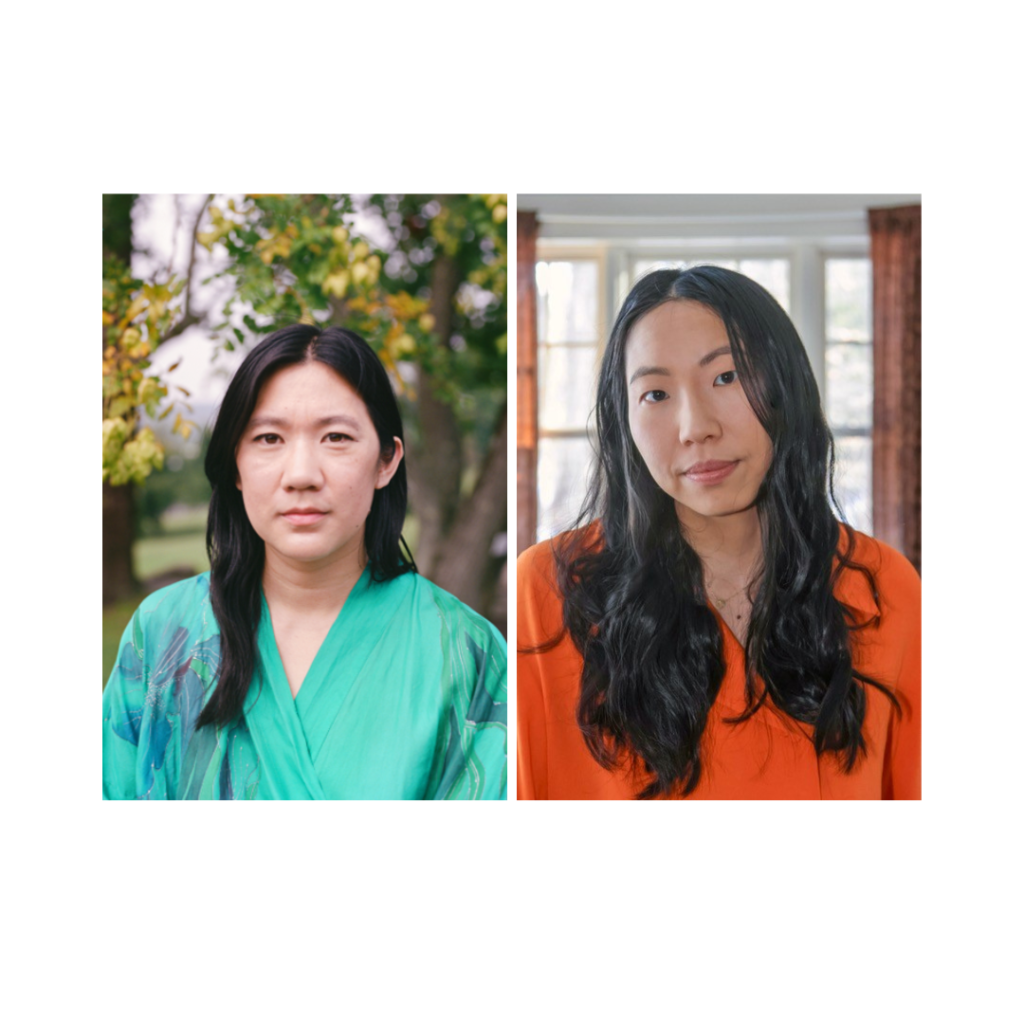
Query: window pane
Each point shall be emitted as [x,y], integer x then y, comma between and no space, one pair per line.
[848,299]
[567,300]
[853,480]
[563,465]
[849,377]
[772,275]
[566,384]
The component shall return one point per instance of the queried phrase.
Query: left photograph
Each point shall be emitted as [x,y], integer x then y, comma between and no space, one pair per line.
[304,497]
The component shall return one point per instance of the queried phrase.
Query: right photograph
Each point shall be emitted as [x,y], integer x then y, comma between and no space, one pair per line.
[719,497]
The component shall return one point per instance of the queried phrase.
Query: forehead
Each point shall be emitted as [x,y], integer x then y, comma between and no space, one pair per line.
[681,331]
[309,390]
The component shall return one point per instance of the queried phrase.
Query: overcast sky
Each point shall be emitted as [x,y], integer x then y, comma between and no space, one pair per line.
[162,228]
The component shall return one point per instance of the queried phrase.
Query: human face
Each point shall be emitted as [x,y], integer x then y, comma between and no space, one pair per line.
[689,416]
[309,461]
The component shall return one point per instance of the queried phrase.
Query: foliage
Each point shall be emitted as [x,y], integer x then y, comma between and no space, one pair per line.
[136,316]
[303,258]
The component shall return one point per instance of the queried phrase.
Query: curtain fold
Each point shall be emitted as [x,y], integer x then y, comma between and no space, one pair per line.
[896,461]
[526,380]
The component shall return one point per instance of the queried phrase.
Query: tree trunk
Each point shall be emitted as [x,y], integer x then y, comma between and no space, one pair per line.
[435,471]
[466,549]
[119,580]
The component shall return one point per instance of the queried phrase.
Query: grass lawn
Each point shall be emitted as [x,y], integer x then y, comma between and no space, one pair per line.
[154,555]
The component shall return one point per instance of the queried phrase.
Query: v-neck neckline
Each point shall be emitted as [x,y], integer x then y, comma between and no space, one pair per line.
[313,679]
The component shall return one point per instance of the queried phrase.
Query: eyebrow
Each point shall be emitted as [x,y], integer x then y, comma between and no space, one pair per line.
[324,421]
[723,350]
[660,371]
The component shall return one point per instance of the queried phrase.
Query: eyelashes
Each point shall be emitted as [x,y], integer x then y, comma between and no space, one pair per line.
[652,397]
[272,440]
[656,395]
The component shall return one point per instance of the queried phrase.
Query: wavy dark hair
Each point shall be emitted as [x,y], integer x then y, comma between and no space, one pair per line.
[635,604]
[236,551]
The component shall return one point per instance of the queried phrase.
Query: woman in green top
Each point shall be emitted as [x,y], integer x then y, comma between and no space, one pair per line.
[312,661]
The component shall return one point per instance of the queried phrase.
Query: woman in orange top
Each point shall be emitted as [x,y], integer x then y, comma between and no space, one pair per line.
[711,630]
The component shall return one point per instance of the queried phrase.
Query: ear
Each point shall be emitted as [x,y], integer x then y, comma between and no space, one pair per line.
[387,469]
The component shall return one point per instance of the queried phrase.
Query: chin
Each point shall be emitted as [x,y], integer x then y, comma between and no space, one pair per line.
[714,509]
[312,551]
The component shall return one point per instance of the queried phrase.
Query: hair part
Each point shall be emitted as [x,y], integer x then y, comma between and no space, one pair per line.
[635,604]
[235,550]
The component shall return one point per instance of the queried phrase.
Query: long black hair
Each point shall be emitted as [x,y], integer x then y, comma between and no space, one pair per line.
[635,604]
[236,551]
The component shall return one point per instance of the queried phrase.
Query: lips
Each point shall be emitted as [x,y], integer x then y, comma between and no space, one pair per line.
[711,472]
[304,516]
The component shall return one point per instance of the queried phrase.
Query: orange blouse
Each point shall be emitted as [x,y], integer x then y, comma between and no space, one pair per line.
[768,757]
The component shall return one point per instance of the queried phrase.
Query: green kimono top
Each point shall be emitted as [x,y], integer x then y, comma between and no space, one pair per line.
[406,699]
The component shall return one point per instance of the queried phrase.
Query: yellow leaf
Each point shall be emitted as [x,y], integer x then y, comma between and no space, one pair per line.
[130,338]
[182,426]
[134,310]
[336,283]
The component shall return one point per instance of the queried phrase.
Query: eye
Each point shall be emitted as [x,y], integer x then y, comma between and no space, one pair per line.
[651,397]
[267,438]
[725,378]
[337,438]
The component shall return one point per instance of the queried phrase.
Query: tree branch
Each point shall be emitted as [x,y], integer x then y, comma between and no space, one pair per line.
[188,318]
[192,258]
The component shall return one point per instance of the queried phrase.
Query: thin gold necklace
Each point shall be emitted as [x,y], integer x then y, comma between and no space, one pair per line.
[721,602]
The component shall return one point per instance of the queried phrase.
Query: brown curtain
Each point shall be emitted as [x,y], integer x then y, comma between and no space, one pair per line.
[896,466]
[526,380]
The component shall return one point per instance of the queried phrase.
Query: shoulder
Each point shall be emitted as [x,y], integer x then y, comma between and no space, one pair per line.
[536,562]
[439,605]
[172,631]
[176,618]
[537,566]
[178,598]
[896,581]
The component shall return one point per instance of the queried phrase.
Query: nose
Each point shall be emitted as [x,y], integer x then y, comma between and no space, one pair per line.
[301,470]
[697,420]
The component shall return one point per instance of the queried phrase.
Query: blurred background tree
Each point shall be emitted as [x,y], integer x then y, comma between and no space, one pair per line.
[422,278]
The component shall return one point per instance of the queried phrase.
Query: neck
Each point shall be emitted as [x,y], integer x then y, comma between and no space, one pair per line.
[729,546]
[311,588]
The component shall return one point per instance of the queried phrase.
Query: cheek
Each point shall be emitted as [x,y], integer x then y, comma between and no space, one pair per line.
[761,444]
[650,442]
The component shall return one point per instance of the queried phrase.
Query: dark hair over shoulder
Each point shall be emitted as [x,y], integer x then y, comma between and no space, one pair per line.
[236,552]
[634,598]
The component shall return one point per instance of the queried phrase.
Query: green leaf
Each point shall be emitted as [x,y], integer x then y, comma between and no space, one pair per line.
[120,406]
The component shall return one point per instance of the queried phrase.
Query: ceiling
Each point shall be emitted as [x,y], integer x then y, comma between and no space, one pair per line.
[640,218]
